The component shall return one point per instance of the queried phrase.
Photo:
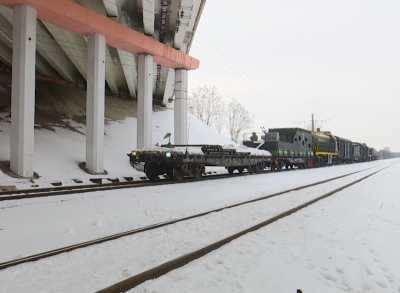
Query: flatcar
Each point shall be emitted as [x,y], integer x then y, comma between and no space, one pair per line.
[179,161]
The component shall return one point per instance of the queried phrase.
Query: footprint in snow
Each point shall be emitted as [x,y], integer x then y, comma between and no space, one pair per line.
[376,260]
[385,269]
[339,271]
[381,284]
[390,278]
[345,287]
[329,277]
[350,258]
[369,272]
[366,287]
[310,266]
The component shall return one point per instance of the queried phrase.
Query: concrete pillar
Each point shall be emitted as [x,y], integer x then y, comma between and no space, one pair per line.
[23,90]
[181,107]
[95,103]
[145,101]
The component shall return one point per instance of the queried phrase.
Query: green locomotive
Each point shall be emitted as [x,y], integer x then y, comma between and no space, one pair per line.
[298,147]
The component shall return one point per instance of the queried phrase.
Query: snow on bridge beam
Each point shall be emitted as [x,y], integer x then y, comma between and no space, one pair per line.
[82,20]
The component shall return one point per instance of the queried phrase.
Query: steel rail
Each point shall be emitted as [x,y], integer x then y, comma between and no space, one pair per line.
[46,254]
[183,260]
[52,191]
[78,189]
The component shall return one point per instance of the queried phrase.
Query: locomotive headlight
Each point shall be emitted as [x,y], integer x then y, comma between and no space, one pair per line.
[133,154]
[168,154]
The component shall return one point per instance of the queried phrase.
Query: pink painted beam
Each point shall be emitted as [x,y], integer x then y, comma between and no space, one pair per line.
[74,17]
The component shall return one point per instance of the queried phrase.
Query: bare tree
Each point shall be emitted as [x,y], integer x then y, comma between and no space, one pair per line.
[239,119]
[206,104]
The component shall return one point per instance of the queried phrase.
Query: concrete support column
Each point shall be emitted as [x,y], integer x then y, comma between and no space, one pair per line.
[181,107]
[145,101]
[23,90]
[95,103]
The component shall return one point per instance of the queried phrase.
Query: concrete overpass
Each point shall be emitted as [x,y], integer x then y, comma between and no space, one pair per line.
[135,47]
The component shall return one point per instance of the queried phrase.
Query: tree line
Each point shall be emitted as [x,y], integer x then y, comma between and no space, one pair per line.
[225,115]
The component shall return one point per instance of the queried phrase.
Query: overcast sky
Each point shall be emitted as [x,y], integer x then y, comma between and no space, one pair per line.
[286,59]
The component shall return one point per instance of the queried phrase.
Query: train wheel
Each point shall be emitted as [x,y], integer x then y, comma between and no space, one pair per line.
[230,170]
[197,171]
[170,173]
[240,170]
[177,174]
[151,171]
[259,167]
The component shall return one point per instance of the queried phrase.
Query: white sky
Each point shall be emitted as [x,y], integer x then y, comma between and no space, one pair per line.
[286,59]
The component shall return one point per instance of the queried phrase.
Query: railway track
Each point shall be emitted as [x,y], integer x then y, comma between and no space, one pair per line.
[50,253]
[88,188]
[65,190]
[173,264]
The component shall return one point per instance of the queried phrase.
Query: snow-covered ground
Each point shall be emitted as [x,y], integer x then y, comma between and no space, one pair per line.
[58,153]
[53,222]
[346,243]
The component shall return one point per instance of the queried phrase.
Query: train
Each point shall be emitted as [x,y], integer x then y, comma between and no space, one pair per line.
[275,149]
[302,148]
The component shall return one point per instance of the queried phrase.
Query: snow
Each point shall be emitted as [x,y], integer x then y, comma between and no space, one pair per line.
[78,218]
[57,154]
[346,243]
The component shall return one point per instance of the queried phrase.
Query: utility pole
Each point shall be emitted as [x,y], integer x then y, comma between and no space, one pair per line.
[312,123]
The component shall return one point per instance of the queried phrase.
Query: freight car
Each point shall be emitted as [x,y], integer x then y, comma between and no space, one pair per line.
[345,150]
[179,161]
[360,152]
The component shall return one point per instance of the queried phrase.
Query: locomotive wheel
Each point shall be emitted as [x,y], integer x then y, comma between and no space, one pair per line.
[240,170]
[231,170]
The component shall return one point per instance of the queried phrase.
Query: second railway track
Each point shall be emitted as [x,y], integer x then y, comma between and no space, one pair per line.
[47,254]
[180,261]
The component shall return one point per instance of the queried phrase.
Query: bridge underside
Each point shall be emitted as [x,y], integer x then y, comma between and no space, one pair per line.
[128,48]
[62,54]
